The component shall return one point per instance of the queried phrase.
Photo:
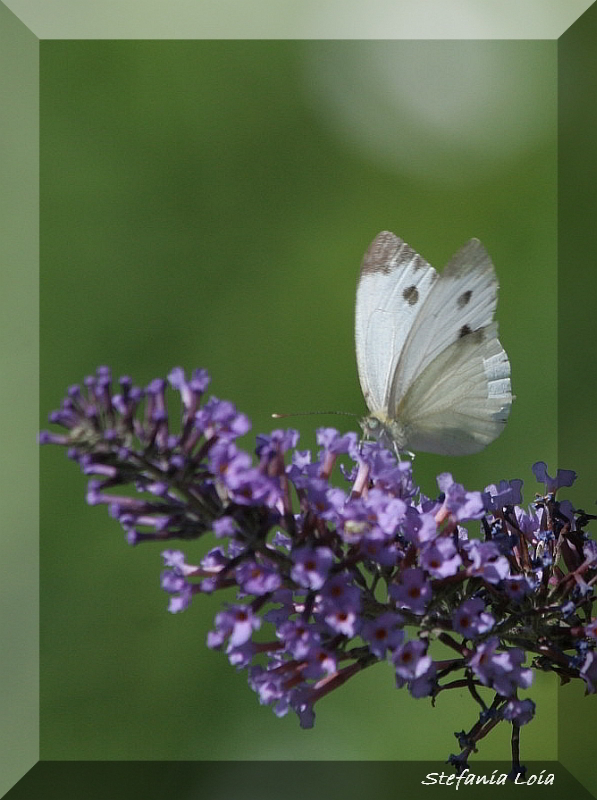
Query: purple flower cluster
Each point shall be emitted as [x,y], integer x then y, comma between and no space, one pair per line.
[331,580]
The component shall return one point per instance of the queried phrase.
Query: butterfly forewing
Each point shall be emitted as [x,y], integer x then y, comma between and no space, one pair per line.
[393,283]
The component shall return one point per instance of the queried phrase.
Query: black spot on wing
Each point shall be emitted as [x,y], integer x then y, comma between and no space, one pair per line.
[464,299]
[411,295]
[475,336]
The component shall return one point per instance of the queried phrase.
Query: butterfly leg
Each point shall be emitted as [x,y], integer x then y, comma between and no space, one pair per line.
[405,452]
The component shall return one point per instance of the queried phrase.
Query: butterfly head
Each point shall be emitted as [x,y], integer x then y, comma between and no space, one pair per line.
[390,432]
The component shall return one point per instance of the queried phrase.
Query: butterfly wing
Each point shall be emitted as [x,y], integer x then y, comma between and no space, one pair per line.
[394,283]
[451,388]
[462,299]
[462,399]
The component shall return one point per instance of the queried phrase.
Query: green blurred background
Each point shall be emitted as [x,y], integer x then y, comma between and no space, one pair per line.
[208,204]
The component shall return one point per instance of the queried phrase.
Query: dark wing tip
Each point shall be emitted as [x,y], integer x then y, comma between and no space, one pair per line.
[382,252]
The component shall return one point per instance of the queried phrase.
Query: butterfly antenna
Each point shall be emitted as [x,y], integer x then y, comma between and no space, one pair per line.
[312,413]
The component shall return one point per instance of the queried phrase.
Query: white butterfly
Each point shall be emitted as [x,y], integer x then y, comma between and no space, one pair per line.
[433,372]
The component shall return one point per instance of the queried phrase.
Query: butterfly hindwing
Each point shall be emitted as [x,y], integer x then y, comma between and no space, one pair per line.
[461,401]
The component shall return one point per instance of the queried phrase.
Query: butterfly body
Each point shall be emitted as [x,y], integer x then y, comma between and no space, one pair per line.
[433,372]
[390,432]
